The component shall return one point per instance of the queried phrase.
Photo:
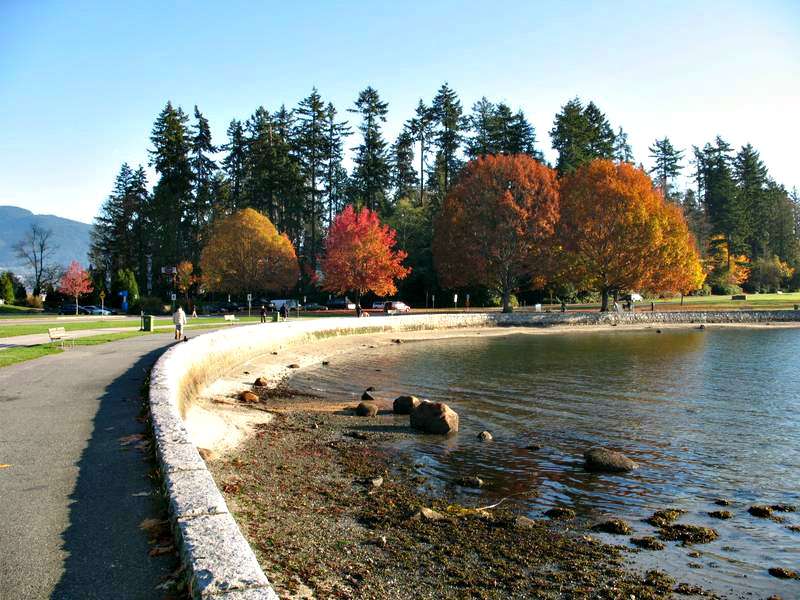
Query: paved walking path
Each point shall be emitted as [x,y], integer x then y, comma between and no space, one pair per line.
[73,495]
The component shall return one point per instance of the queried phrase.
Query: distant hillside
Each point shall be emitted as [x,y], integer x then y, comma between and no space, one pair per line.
[70,237]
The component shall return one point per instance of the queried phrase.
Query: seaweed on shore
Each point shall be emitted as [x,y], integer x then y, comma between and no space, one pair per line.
[299,495]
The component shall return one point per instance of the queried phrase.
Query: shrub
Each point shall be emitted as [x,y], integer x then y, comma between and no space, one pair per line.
[150,305]
[496,300]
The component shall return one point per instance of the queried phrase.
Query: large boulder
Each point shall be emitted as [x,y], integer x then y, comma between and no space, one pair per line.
[609,461]
[404,405]
[434,417]
[366,409]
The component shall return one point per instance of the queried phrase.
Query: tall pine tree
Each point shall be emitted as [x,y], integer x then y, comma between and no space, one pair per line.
[371,173]
[666,165]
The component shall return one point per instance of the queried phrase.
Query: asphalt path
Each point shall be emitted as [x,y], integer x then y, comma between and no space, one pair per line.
[72,495]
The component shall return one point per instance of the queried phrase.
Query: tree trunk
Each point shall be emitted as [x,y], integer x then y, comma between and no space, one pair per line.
[507,301]
[604,305]
[76,305]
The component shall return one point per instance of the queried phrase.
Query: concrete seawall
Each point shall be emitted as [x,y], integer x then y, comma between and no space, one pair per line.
[219,561]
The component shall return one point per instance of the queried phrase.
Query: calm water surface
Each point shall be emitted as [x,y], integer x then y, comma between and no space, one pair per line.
[706,414]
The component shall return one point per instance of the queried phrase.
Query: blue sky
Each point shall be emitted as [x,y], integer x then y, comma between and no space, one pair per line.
[81,82]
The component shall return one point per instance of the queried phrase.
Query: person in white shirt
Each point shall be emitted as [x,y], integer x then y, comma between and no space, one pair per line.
[179,319]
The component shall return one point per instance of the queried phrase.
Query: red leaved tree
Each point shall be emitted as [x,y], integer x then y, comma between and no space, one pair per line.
[360,255]
[496,224]
[75,282]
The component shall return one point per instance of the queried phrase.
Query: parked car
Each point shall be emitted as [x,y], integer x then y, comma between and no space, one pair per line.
[96,310]
[69,309]
[314,306]
[378,304]
[341,304]
[289,303]
[394,307]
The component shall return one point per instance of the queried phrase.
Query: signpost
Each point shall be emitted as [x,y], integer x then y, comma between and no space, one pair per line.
[249,303]
[102,308]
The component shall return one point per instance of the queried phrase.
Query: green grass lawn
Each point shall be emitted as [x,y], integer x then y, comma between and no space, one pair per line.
[9,310]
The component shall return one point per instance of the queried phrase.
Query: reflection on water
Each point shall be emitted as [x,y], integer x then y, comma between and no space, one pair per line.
[706,414]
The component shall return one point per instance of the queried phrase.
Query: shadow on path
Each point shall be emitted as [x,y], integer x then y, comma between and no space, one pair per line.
[107,552]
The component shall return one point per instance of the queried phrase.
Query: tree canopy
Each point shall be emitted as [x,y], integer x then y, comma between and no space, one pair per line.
[495,223]
[360,256]
[619,234]
[245,253]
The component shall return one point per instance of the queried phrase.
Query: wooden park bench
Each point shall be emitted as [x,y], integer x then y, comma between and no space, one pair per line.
[59,334]
[230,318]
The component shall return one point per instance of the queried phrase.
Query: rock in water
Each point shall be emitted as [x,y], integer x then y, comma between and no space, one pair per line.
[782,573]
[615,526]
[560,513]
[720,514]
[261,382]
[760,511]
[647,542]
[471,481]
[403,405]
[688,534]
[367,396]
[366,409]
[434,417]
[604,460]
[485,436]
[664,516]
[248,396]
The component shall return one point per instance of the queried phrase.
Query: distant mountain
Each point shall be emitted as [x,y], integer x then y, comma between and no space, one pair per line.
[71,238]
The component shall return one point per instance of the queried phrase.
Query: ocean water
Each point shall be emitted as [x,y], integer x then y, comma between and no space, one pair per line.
[706,413]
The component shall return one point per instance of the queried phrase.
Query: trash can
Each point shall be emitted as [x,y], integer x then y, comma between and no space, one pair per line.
[148,323]
[276,317]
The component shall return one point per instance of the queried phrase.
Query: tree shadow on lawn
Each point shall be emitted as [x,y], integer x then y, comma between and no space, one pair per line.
[107,551]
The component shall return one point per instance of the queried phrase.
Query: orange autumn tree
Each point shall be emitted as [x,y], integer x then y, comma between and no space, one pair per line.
[618,233]
[185,278]
[495,224]
[245,253]
[75,282]
[360,255]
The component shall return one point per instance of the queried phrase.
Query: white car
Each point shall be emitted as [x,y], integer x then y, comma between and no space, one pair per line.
[394,307]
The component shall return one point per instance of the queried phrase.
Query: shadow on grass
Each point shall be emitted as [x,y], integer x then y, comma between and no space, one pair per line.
[107,552]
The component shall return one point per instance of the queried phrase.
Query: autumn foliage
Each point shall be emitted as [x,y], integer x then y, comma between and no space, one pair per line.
[245,253]
[360,255]
[75,282]
[618,233]
[495,224]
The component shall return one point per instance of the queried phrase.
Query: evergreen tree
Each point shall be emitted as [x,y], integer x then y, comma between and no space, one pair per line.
[371,173]
[289,188]
[311,142]
[172,194]
[622,150]
[404,176]
[522,139]
[421,128]
[447,113]
[335,174]
[667,165]
[234,164]
[480,124]
[203,169]
[119,235]
[581,134]
[6,288]
[750,175]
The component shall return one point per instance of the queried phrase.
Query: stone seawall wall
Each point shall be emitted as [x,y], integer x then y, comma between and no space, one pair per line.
[219,561]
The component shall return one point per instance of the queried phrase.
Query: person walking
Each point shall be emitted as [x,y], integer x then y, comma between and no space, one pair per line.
[284,312]
[179,319]
[263,314]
